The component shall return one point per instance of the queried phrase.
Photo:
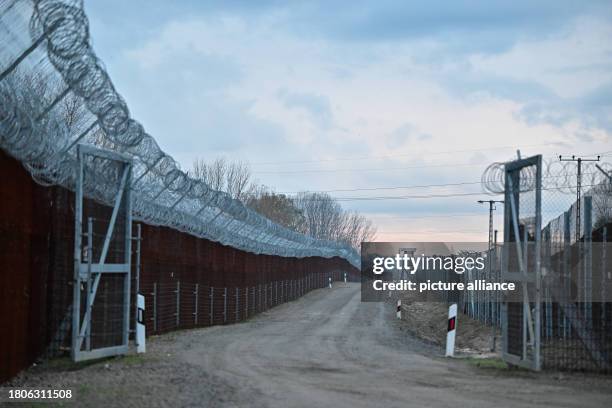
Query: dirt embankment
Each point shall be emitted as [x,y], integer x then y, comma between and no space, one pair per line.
[428,321]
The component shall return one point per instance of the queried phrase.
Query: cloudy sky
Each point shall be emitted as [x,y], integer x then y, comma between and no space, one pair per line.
[360,98]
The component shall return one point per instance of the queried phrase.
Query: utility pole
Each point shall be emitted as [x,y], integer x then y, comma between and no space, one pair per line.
[490,253]
[491,209]
[579,160]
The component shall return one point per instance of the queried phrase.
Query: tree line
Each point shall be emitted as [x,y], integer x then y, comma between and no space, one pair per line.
[315,214]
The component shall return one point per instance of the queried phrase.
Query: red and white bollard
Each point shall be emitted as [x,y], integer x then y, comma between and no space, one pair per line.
[330,282]
[452,330]
[344,277]
[398,313]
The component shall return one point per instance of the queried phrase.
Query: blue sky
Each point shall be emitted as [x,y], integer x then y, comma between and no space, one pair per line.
[366,94]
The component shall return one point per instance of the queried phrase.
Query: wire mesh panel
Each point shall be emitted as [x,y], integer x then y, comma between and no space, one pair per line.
[576,334]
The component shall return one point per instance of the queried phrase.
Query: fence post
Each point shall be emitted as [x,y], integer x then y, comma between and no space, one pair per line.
[265,296]
[224,305]
[196,305]
[211,296]
[604,277]
[237,295]
[588,264]
[89,280]
[178,303]
[246,302]
[566,271]
[154,294]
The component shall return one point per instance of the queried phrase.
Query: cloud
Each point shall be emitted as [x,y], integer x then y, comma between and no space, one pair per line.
[312,84]
[404,134]
[317,106]
[591,112]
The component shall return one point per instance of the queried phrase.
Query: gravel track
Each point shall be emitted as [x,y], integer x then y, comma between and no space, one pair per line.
[326,349]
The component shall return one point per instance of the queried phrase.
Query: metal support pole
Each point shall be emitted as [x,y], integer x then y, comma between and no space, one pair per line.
[566,270]
[211,297]
[89,262]
[224,305]
[154,294]
[604,279]
[178,303]
[588,260]
[195,313]
[253,308]
[138,239]
[237,305]
[579,161]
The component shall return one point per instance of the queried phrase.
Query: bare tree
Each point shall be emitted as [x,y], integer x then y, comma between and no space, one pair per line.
[326,219]
[232,178]
[277,207]
[315,214]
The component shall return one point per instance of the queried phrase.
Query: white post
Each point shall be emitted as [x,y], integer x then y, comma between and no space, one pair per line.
[330,282]
[140,326]
[344,277]
[452,330]
[398,313]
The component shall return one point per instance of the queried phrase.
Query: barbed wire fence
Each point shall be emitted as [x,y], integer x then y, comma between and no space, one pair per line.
[48,42]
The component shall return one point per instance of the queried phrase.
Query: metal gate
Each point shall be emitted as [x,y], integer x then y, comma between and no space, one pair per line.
[521,262]
[102,254]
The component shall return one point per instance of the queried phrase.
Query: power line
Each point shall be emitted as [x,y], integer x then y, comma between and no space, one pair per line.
[365,170]
[446,215]
[429,216]
[465,183]
[406,197]
[431,231]
[403,155]
[360,170]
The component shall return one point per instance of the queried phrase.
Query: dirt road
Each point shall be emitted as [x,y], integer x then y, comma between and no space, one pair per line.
[326,349]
